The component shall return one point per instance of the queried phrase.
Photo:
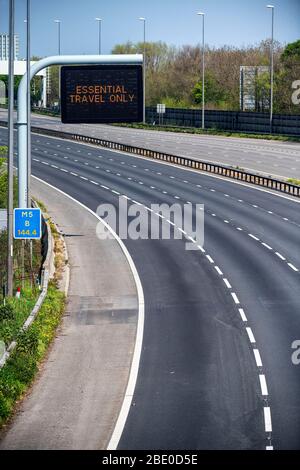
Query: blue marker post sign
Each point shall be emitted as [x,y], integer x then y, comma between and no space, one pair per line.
[27,224]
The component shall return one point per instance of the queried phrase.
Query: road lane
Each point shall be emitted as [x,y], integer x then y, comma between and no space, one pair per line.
[199,383]
[274,158]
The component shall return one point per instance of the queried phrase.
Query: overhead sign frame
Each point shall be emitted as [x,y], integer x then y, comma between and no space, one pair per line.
[96,94]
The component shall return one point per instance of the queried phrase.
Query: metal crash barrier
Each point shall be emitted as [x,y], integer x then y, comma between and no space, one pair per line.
[225,171]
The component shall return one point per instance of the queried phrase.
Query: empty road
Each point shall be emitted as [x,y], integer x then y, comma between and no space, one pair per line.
[216,369]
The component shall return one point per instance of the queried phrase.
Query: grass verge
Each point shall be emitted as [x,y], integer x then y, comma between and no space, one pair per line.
[294,181]
[19,371]
[193,130]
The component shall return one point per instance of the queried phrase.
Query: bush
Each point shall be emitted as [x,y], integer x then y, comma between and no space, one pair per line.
[7,312]
[19,371]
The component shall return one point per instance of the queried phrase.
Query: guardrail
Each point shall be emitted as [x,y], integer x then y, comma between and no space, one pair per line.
[220,170]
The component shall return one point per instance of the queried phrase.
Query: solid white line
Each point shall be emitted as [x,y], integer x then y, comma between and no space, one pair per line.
[253,236]
[182,231]
[280,256]
[257,357]
[118,430]
[251,335]
[170,222]
[218,270]
[267,246]
[268,420]
[235,298]
[293,267]
[228,285]
[210,259]
[263,385]
[243,315]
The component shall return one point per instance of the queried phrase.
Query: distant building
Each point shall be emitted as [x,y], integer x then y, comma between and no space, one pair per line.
[4,46]
[250,98]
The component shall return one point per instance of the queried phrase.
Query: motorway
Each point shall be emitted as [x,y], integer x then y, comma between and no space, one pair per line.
[216,369]
[274,158]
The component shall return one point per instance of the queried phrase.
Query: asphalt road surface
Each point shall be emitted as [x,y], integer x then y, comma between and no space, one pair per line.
[278,159]
[216,368]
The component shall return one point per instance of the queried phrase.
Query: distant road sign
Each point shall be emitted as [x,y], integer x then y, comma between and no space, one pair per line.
[102,94]
[27,224]
[161,109]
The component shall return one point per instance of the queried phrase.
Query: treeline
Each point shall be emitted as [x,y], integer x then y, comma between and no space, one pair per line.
[173,74]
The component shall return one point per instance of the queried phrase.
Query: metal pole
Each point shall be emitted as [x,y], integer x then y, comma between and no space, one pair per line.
[100,26]
[272,74]
[203,78]
[22,93]
[59,38]
[10,197]
[144,70]
[272,69]
[203,70]
[59,51]
[28,107]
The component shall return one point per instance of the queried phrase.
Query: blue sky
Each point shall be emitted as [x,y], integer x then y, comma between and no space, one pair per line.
[230,22]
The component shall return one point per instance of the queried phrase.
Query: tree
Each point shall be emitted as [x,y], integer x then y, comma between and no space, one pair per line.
[292,51]
[214,94]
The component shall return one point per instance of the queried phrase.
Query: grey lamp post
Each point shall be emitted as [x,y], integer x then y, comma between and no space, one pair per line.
[10,202]
[58,22]
[99,34]
[203,71]
[271,7]
[144,84]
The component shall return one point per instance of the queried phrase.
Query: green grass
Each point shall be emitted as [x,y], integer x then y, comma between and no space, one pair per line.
[294,181]
[193,130]
[3,150]
[14,314]
[19,371]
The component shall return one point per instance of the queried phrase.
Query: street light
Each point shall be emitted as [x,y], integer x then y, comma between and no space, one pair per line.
[100,28]
[27,21]
[203,71]
[271,7]
[10,168]
[144,64]
[58,23]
